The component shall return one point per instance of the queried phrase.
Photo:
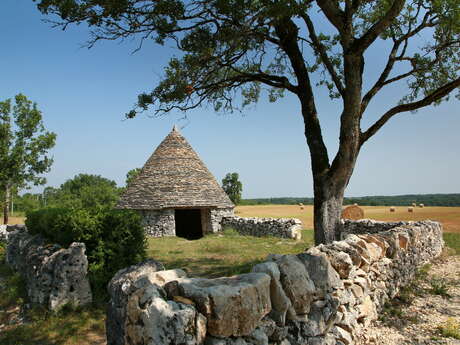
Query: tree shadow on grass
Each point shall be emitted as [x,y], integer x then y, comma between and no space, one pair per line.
[68,327]
[211,267]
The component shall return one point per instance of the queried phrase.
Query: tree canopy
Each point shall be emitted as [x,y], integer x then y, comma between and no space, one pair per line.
[84,191]
[131,175]
[231,51]
[233,187]
[24,145]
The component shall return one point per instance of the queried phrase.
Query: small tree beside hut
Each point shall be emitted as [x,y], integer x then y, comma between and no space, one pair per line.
[233,187]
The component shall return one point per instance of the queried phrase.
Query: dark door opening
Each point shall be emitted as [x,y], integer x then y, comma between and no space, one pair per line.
[188,223]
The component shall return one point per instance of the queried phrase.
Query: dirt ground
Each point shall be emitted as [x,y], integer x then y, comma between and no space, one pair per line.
[430,313]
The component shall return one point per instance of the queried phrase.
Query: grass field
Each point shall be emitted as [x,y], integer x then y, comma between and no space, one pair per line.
[448,216]
[222,254]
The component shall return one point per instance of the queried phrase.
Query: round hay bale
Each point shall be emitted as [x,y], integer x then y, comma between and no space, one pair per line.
[410,209]
[392,209]
[414,204]
[421,205]
[353,212]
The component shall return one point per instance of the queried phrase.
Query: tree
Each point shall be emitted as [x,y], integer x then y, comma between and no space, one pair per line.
[132,174]
[24,144]
[84,191]
[233,187]
[231,50]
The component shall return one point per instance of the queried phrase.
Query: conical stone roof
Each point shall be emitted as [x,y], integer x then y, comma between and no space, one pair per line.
[173,177]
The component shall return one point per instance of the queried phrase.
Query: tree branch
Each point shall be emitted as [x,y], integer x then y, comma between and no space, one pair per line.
[361,44]
[392,58]
[429,99]
[321,49]
[333,13]
[287,31]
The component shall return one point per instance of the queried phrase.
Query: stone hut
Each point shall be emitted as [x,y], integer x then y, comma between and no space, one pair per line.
[176,194]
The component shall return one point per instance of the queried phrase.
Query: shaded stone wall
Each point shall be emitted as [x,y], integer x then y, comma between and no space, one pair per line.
[54,276]
[216,217]
[260,227]
[324,296]
[206,221]
[369,226]
[159,223]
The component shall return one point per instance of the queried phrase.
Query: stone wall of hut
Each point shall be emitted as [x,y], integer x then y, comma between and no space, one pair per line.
[216,218]
[159,223]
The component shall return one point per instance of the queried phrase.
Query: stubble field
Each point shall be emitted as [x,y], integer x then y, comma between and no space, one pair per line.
[448,216]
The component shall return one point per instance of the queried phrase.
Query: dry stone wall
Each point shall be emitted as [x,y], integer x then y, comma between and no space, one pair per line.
[6,229]
[217,214]
[369,226]
[159,223]
[260,227]
[324,296]
[54,276]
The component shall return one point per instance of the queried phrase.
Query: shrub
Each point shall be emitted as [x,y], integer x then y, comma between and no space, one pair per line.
[114,239]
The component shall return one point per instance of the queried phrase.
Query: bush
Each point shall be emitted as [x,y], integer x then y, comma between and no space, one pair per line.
[114,239]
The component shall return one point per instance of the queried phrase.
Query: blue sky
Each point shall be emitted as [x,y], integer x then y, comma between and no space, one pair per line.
[84,94]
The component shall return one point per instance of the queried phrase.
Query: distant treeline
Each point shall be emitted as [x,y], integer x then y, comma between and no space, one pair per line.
[397,200]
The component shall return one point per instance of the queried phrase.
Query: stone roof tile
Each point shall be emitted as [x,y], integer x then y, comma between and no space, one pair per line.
[173,177]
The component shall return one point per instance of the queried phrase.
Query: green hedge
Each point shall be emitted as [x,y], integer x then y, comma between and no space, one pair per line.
[114,239]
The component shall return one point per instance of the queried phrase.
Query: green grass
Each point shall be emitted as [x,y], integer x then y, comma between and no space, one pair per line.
[452,240]
[439,286]
[222,254]
[450,329]
[70,326]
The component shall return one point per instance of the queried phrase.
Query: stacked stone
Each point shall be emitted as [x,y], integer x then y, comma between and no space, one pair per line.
[159,223]
[325,296]
[261,227]
[6,229]
[3,233]
[54,276]
[369,226]
[217,215]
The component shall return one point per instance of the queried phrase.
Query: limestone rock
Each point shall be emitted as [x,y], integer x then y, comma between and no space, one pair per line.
[257,337]
[342,335]
[69,283]
[279,301]
[138,312]
[296,283]
[3,233]
[321,272]
[233,306]
[54,276]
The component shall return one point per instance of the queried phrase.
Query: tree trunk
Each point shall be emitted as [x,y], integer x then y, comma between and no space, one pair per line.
[6,207]
[327,211]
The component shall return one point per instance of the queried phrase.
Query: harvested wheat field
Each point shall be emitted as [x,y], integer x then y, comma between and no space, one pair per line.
[448,216]
[15,220]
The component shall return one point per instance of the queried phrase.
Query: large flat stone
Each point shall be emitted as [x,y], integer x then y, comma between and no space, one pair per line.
[233,306]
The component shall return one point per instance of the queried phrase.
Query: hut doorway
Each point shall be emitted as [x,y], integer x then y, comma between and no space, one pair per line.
[188,223]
